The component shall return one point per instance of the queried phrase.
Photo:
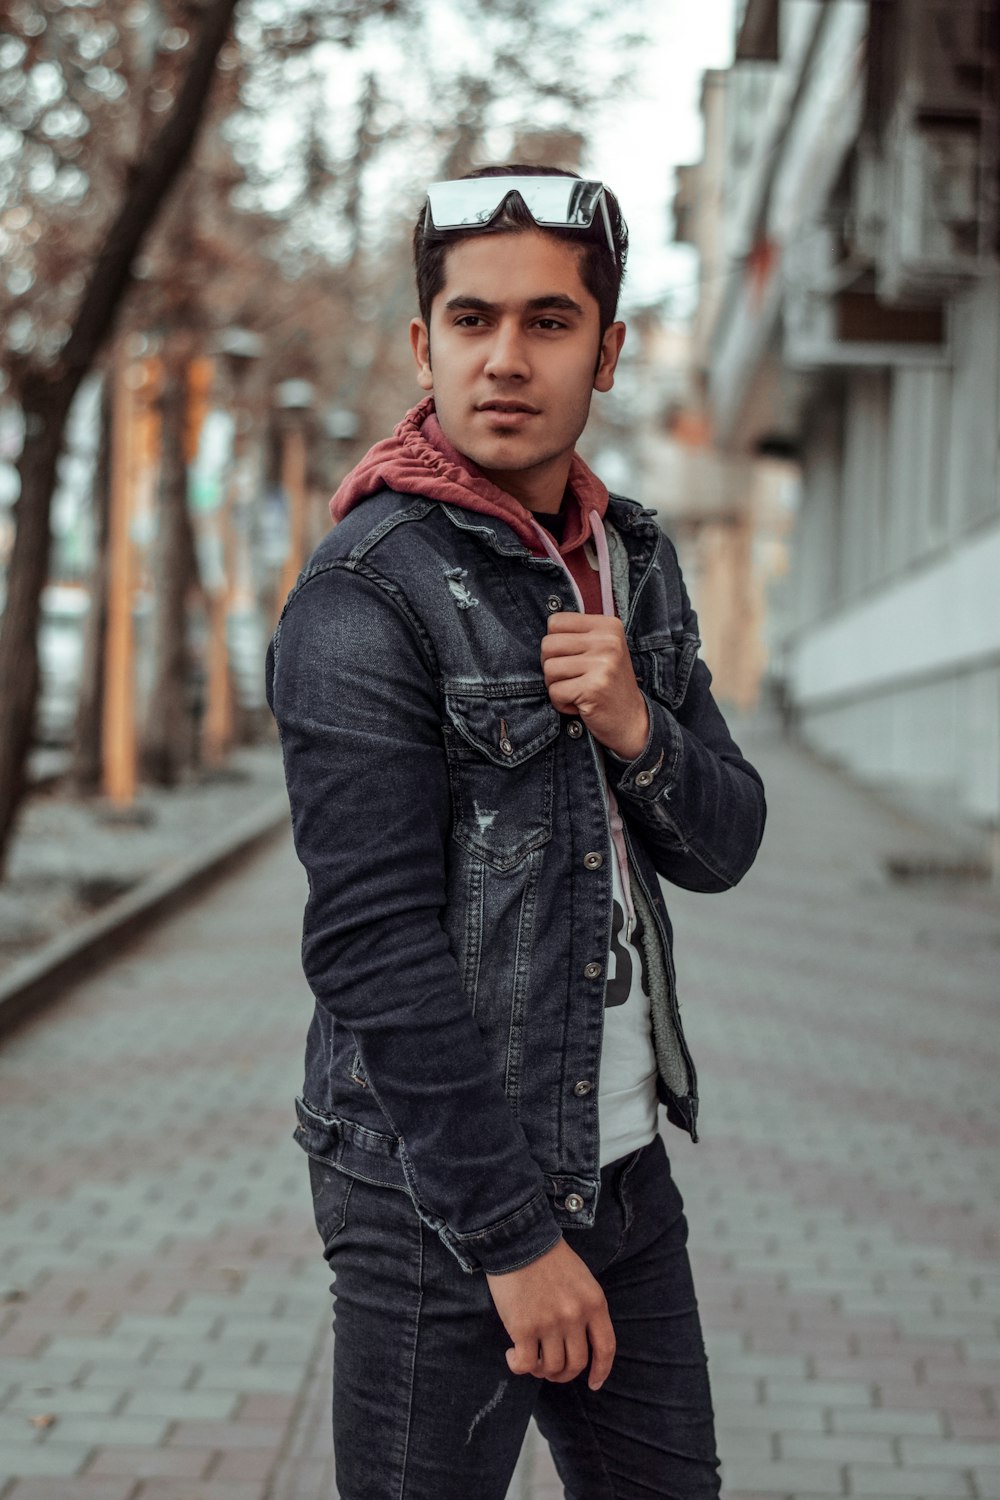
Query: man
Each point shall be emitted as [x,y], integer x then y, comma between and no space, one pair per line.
[497,734]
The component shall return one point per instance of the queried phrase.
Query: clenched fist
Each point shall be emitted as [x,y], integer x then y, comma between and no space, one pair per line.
[588,672]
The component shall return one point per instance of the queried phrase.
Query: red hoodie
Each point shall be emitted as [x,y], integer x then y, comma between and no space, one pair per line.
[419,460]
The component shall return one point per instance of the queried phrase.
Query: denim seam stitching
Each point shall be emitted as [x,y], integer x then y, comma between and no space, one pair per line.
[413,1358]
[593,1437]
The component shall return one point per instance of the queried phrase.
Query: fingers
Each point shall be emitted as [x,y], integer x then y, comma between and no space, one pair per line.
[524,1358]
[568,622]
[602,1344]
[571,634]
[561,1360]
[577,1355]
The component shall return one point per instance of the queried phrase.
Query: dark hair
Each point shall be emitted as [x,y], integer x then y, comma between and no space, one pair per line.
[601,277]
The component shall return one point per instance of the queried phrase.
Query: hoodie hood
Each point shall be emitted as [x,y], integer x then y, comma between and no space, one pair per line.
[419,460]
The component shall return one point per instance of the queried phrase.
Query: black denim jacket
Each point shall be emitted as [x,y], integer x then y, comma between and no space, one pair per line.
[455,936]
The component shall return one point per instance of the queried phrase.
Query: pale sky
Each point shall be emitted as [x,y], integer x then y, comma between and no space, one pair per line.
[637,145]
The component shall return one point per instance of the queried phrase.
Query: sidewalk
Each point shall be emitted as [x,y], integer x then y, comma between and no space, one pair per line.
[844,1198]
[164,1309]
[72,857]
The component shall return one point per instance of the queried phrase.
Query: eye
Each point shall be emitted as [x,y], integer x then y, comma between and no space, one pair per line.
[548,324]
[468,320]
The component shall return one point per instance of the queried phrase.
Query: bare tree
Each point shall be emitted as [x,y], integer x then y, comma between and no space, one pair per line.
[46,390]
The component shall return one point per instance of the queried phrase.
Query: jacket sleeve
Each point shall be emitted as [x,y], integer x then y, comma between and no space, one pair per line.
[690,796]
[359,719]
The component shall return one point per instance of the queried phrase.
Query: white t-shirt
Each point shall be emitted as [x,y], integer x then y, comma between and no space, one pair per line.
[626,1098]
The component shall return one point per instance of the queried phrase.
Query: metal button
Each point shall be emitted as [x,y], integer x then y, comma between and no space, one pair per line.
[592,971]
[582,1088]
[573,1203]
[506,746]
[552,603]
[644,778]
[574,729]
[593,860]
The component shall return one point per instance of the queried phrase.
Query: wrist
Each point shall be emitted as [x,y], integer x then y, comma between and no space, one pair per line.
[634,739]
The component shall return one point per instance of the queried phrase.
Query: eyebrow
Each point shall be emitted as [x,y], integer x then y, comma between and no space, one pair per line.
[557,300]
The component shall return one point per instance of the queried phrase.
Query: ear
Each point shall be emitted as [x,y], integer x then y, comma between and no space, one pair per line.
[421,345]
[611,347]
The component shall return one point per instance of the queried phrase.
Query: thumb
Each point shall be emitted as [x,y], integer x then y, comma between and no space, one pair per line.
[519,1360]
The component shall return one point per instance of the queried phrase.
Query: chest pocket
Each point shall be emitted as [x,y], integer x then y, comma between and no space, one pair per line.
[663,665]
[501,761]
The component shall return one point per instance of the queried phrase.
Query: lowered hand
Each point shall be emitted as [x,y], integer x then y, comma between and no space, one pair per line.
[552,1308]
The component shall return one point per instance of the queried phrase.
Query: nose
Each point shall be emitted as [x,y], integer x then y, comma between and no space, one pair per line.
[507,357]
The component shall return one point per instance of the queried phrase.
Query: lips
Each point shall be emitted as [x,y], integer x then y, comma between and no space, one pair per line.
[508,407]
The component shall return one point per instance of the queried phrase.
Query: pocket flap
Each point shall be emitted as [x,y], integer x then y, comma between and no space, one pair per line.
[507,726]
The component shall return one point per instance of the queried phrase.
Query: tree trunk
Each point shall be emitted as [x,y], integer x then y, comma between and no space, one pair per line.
[167,738]
[45,413]
[85,771]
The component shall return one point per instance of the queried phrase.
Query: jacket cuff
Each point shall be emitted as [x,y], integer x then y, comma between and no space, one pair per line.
[653,771]
[512,1243]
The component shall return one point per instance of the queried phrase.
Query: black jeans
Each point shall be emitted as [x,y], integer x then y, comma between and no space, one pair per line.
[424,1405]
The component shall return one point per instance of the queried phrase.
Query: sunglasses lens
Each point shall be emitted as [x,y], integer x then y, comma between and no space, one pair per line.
[550,200]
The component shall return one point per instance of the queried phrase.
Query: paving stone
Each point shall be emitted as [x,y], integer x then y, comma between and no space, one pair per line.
[783,1476]
[66,1401]
[772,1416]
[50,1488]
[942,1484]
[164,1375]
[178,1463]
[745,1442]
[955,1452]
[182,1350]
[239,1436]
[42,1458]
[205,1489]
[94,1346]
[836,1449]
[269,1377]
[893,1423]
[199,1404]
[244,1464]
[265,1406]
[826,1393]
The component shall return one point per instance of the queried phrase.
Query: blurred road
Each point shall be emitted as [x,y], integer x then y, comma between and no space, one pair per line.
[164,1307]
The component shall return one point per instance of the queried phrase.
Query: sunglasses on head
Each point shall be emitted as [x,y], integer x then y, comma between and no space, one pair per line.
[553,202]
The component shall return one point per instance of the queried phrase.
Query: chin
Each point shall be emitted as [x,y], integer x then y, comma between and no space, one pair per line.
[504,456]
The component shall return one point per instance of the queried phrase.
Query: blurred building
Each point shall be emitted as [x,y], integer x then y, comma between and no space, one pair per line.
[846,217]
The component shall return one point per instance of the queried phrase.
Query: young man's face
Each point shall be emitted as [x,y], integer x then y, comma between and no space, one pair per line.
[514,344]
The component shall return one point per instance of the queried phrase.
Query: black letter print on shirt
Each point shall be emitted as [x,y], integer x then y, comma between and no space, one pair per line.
[620,982]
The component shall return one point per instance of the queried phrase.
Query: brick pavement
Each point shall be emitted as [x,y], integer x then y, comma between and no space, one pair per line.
[162,1303]
[166,1304]
[843,1199]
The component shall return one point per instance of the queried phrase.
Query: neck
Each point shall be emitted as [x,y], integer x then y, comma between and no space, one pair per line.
[540,488]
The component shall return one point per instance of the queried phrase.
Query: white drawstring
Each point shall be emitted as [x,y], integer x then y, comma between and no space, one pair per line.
[607,608]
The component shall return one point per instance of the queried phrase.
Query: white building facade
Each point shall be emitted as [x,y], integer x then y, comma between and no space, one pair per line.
[858,329]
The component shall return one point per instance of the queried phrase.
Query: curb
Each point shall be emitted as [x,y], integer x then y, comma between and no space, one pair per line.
[44,975]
